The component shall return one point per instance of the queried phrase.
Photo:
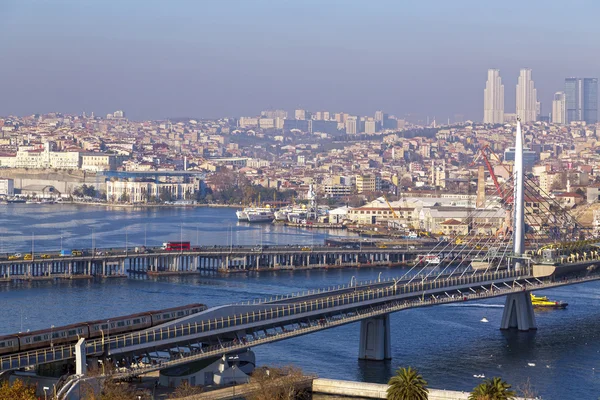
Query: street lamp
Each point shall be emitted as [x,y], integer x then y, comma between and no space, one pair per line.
[46,388]
[51,335]
[379,277]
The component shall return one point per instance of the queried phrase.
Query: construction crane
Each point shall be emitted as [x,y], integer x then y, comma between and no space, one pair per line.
[482,153]
[391,208]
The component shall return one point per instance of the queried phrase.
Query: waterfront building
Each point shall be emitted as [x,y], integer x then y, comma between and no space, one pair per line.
[143,191]
[527,104]
[559,108]
[581,96]
[7,187]
[493,98]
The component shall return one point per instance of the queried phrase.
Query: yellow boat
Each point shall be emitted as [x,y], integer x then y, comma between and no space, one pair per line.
[543,302]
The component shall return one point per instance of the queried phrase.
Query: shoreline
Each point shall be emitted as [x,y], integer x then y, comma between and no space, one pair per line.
[141,205]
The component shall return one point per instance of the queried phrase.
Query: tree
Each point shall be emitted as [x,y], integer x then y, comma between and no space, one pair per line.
[407,384]
[286,383]
[114,390]
[185,390]
[17,391]
[492,389]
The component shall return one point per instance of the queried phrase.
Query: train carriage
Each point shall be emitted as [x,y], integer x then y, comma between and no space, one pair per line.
[169,314]
[53,336]
[127,323]
[9,344]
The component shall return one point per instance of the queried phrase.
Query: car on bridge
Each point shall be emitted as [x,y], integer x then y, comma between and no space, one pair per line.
[46,256]
[15,256]
[28,257]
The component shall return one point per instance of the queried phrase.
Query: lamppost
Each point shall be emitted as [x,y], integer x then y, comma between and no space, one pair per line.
[51,336]
[379,277]
[352,279]
[46,388]
[93,242]
[233,376]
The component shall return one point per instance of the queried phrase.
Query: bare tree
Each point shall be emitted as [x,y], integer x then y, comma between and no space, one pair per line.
[527,391]
[286,383]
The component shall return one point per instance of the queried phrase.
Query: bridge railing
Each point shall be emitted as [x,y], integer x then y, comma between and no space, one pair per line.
[299,308]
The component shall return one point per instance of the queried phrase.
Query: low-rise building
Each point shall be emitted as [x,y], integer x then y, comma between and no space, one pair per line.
[7,187]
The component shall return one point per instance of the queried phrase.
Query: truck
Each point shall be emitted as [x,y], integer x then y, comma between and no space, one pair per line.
[65,253]
[176,246]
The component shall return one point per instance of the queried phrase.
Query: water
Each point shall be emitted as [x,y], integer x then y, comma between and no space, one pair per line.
[448,344]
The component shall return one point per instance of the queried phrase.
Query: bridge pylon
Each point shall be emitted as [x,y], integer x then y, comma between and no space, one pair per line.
[375,339]
[518,312]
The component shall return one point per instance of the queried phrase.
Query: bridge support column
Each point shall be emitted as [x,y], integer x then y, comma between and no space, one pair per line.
[80,358]
[375,342]
[518,312]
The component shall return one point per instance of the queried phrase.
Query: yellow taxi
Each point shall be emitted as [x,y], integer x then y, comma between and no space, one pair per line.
[28,257]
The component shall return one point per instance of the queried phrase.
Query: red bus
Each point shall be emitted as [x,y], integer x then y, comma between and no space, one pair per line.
[176,246]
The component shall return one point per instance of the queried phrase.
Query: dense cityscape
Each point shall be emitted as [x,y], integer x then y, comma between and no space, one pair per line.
[274,157]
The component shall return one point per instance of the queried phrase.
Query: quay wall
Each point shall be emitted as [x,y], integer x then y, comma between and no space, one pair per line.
[366,390]
[64,181]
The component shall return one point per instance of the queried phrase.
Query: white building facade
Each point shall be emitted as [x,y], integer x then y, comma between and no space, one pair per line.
[493,98]
[527,104]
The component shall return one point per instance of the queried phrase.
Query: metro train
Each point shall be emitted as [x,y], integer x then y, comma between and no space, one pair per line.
[93,329]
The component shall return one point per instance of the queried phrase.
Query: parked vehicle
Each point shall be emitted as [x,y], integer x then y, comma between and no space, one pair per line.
[65,253]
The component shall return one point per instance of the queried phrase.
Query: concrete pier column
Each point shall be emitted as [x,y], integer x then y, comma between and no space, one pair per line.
[80,358]
[375,339]
[518,312]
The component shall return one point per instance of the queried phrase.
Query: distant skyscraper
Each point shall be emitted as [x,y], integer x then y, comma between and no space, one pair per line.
[352,125]
[300,114]
[581,97]
[526,97]
[379,116]
[370,127]
[558,108]
[493,98]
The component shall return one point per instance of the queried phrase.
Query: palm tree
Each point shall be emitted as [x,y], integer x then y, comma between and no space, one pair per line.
[407,384]
[492,389]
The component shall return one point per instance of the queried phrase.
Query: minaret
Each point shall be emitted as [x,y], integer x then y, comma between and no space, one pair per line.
[519,198]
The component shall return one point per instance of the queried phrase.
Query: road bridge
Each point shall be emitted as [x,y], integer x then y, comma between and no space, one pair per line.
[119,262]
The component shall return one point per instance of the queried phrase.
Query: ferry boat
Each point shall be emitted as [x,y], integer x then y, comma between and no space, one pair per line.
[430,259]
[261,215]
[544,302]
[242,215]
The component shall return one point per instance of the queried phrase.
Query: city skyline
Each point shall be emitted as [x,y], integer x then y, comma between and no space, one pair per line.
[157,62]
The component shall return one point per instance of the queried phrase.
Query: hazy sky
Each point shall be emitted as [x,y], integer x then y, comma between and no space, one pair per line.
[204,58]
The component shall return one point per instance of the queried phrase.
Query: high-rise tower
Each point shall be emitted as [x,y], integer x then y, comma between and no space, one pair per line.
[581,98]
[493,98]
[558,108]
[526,97]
